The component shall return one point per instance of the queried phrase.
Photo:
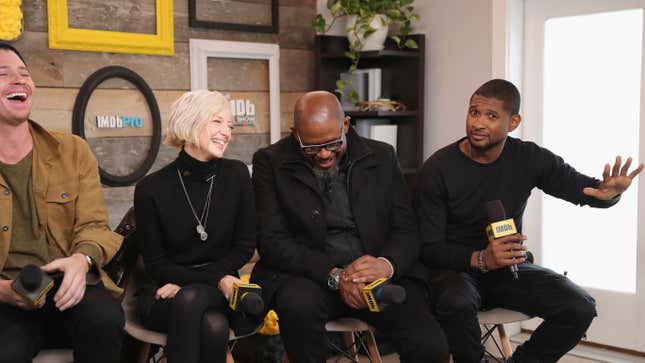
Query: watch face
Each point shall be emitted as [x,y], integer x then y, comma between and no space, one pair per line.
[333,280]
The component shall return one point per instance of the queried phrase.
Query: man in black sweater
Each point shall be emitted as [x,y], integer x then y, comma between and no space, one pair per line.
[334,214]
[455,184]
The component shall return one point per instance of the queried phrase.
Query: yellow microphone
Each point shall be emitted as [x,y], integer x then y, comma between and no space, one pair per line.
[499,225]
[32,284]
[500,229]
[246,298]
[381,293]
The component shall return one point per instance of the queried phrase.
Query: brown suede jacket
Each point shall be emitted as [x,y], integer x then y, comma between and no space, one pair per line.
[68,197]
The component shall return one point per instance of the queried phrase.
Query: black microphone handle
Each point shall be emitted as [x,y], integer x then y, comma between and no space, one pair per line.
[496,212]
[391,294]
[31,277]
[513,269]
[251,303]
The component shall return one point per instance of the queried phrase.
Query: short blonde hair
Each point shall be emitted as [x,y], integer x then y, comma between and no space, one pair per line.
[189,113]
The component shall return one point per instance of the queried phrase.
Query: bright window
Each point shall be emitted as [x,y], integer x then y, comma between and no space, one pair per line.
[592,78]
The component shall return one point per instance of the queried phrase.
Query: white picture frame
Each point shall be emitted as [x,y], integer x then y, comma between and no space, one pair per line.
[202,49]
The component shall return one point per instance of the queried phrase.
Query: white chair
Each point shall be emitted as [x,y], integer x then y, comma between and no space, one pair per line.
[125,227]
[135,329]
[352,329]
[54,356]
[495,319]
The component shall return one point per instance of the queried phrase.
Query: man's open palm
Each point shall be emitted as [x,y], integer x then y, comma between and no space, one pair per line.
[616,182]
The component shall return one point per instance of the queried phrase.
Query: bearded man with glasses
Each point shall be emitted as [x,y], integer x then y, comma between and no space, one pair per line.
[334,215]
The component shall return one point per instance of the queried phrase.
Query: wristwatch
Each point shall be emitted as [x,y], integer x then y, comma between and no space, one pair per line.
[480,262]
[90,262]
[333,279]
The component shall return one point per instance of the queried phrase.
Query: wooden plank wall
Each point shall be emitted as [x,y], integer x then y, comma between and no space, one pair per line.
[59,74]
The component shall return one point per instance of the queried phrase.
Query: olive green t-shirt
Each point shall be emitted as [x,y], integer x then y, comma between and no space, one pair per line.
[28,244]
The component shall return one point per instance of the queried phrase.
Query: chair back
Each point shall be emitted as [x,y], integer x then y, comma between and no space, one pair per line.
[123,262]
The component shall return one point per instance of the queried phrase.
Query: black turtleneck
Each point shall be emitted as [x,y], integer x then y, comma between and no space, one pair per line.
[166,227]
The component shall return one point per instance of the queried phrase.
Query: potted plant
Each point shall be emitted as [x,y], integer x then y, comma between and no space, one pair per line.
[367,28]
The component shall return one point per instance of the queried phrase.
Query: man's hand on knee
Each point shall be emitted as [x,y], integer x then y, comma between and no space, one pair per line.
[351,294]
[72,289]
[11,297]
[366,269]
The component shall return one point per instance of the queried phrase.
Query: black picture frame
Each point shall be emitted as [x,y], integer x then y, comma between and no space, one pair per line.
[196,23]
[78,119]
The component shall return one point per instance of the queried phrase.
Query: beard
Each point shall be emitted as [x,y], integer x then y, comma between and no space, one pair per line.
[486,147]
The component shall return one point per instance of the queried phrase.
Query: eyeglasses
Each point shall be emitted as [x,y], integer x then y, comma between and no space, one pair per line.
[312,150]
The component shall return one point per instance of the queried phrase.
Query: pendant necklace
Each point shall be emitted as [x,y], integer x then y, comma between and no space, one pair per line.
[201,222]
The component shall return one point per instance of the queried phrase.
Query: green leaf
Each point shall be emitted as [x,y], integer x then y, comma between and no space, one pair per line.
[406,2]
[319,24]
[350,55]
[414,17]
[339,91]
[368,31]
[410,43]
[336,9]
[366,28]
[394,13]
[340,84]
[397,40]
[353,96]
[405,29]
[352,7]
[356,45]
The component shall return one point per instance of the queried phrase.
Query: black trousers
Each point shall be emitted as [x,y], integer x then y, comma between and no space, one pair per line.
[196,323]
[566,308]
[304,307]
[93,328]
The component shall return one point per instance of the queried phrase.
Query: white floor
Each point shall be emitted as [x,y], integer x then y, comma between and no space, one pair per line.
[587,354]
[580,354]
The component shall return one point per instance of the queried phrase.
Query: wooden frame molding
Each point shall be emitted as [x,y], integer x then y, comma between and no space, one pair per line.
[193,22]
[61,36]
[201,50]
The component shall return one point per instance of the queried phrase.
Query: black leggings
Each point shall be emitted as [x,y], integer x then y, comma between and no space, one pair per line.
[196,323]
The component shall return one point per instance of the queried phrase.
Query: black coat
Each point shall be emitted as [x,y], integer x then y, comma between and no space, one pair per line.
[290,211]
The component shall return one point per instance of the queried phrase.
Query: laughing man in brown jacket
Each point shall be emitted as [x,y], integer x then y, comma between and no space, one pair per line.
[52,215]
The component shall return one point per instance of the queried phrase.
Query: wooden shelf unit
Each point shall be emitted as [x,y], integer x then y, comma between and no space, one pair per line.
[403,78]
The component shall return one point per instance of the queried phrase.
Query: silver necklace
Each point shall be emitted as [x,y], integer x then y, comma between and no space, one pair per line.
[201,222]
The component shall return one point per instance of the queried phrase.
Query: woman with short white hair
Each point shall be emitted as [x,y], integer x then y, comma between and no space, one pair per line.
[196,228]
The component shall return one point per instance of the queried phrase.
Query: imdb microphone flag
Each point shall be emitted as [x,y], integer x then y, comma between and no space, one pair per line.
[500,229]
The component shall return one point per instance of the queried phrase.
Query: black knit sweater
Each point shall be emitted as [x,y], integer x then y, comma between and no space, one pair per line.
[166,227]
[453,191]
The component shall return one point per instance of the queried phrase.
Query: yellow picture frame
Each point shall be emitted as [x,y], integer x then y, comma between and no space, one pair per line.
[61,36]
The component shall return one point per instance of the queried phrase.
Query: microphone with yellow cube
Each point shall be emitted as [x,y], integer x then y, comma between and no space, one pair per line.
[499,225]
[500,229]
[381,293]
[247,298]
[33,284]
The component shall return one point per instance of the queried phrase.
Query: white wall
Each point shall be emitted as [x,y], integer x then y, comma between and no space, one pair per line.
[338,28]
[458,59]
